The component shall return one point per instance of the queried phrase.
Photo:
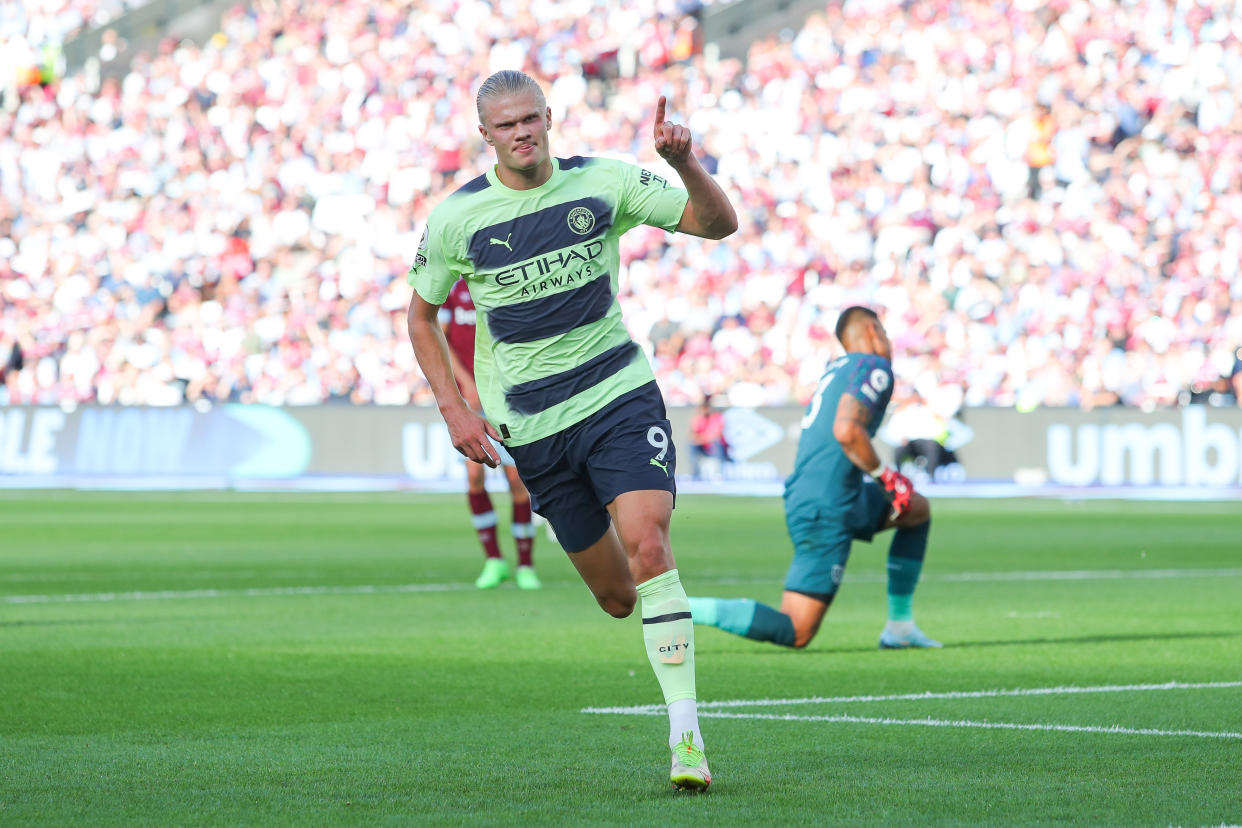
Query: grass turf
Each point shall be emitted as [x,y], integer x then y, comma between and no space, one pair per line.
[257,679]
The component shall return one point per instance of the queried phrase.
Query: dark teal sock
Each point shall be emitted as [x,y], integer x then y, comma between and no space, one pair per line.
[771,625]
[742,616]
[905,564]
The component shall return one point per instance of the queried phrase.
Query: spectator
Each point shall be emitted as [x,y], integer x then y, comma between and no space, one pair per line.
[709,450]
[233,221]
[1039,148]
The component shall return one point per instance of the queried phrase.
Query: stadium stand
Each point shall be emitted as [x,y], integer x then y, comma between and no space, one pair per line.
[1044,199]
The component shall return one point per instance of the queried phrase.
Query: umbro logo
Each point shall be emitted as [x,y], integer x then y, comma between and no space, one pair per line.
[504,243]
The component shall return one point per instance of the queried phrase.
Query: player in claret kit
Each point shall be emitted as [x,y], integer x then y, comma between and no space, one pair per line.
[840,492]
[457,317]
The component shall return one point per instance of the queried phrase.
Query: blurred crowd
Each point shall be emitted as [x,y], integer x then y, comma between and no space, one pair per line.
[38,23]
[32,33]
[1044,200]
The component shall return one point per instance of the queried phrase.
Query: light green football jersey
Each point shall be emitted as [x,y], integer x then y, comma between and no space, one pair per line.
[542,267]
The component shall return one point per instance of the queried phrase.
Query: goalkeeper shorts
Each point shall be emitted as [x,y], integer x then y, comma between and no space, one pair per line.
[822,540]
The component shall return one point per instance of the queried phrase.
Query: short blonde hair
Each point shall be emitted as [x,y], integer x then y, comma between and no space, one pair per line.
[508,82]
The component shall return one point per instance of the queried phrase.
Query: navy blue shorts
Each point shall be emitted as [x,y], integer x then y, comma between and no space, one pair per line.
[627,446]
[822,541]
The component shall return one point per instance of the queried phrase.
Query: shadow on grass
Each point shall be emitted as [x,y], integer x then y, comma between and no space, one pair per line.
[1077,639]
[70,622]
[1101,639]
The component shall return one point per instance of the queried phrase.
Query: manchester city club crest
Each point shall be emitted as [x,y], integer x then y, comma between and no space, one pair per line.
[581,220]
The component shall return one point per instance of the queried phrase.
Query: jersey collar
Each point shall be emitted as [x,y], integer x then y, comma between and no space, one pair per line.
[534,191]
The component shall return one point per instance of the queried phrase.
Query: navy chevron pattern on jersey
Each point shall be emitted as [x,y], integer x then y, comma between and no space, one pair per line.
[474,185]
[542,266]
[551,315]
[541,394]
[539,233]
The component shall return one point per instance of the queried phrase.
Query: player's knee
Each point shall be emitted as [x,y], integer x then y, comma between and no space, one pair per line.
[618,605]
[803,636]
[649,554]
[617,600]
[919,511]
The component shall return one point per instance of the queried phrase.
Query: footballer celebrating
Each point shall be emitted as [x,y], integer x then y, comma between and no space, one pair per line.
[840,492]
[562,384]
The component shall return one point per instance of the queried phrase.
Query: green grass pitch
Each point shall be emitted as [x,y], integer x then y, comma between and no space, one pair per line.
[317,659]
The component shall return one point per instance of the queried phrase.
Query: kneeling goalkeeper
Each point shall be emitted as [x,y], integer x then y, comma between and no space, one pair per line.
[840,492]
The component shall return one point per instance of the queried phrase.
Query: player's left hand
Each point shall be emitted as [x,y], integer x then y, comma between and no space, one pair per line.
[897,488]
[672,141]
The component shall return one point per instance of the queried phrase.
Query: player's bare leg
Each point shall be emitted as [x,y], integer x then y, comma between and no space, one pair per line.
[641,520]
[806,613]
[606,572]
[633,560]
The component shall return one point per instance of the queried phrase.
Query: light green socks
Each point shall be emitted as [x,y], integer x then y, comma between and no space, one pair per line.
[668,633]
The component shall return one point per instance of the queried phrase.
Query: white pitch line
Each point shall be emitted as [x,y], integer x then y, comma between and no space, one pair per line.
[649,709]
[264,592]
[1018,576]
[1112,729]
[256,592]
[1089,575]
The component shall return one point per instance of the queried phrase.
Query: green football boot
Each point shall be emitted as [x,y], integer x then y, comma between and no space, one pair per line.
[495,572]
[690,771]
[526,578]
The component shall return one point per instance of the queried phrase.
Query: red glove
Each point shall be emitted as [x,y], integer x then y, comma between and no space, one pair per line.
[897,488]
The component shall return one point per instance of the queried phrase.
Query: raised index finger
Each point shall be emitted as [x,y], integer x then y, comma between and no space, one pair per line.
[659,118]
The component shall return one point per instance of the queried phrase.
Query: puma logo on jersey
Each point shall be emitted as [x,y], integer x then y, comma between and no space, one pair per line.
[661,466]
[505,243]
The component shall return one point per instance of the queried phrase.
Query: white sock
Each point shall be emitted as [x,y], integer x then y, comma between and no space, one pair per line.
[683,715]
[901,628]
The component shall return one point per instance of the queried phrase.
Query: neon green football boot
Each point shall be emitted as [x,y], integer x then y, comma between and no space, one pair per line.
[495,572]
[526,578]
[690,771]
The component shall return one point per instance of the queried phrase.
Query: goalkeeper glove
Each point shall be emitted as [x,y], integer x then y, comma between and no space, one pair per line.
[897,488]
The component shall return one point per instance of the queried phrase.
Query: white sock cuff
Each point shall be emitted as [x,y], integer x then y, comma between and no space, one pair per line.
[487,520]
